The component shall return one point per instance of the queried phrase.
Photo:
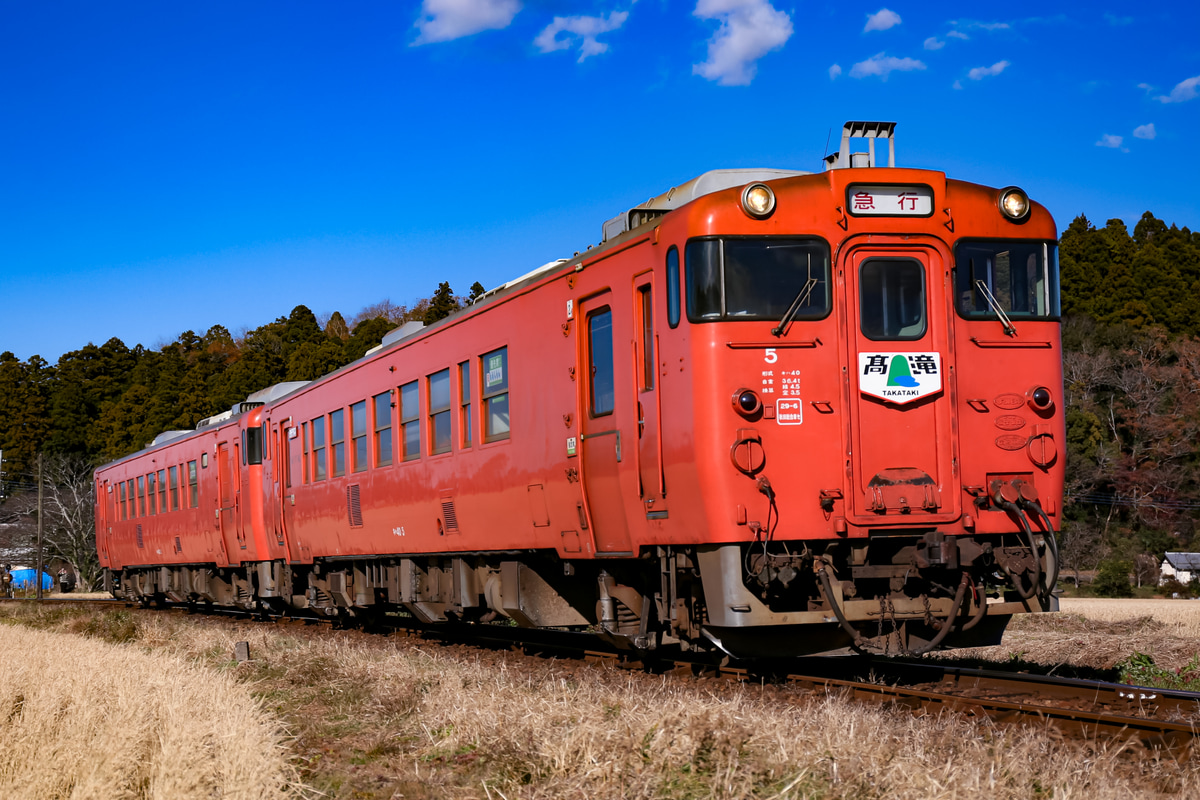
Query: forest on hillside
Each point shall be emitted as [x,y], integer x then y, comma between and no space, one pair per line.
[1131,337]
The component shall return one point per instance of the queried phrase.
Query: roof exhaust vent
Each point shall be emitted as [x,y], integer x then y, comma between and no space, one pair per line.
[870,131]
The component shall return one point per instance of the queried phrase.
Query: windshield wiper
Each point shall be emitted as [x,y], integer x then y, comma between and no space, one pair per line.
[794,308]
[1009,328]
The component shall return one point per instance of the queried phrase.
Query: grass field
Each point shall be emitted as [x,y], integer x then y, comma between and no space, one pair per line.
[381,717]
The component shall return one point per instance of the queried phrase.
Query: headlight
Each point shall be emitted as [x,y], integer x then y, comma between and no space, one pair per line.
[1014,203]
[758,200]
[747,403]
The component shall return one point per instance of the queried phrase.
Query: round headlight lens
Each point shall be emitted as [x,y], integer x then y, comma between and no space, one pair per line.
[747,402]
[758,200]
[1041,398]
[1014,203]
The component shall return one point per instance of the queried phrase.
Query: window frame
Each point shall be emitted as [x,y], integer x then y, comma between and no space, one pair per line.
[173,476]
[410,415]
[439,415]
[500,394]
[384,398]
[359,461]
[688,279]
[337,446]
[1050,266]
[320,467]
[193,485]
[925,300]
[464,405]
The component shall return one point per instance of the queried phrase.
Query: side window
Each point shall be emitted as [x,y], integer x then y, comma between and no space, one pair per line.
[305,474]
[124,502]
[383,429]
[193,486]
[673,287]
[892,299]
[494,366]
[162,491]
[318,449]
[133,512]
[253,445]
[337,441]
[410,421]
[358,436]
[464,399]
[150,482]
[141,486]
[601,392]
[439,412]
[646,312]
[174,473]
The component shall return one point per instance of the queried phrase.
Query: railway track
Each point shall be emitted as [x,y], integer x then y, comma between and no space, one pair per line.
[1158,719]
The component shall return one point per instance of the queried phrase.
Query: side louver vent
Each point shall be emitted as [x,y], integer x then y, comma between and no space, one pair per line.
[139,536]
[450,516]
[354,506]
[178,545]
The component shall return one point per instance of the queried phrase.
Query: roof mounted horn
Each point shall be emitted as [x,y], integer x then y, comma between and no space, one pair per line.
[870,131]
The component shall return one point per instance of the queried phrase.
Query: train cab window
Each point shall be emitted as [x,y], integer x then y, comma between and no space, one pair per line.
[252,445]
[439,412]
[337,441]
[193,486]
[141,487]
[892,299]
[173,472]
[358,436]
[162,491]
[383,429]
[317,447]
[124,501]
[1020,277]
[494,366]
[756,278]
[150,493]
[464,402]
[601,386]
[673,287]
[410,421]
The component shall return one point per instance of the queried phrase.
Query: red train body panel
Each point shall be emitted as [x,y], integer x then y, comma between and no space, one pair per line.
[725,424]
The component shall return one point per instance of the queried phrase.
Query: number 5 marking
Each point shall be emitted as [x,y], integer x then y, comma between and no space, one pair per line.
[770,356]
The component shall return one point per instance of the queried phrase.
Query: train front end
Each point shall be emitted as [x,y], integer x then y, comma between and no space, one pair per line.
[878,407]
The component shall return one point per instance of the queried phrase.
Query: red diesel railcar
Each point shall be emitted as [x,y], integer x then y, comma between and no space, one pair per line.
[771,413]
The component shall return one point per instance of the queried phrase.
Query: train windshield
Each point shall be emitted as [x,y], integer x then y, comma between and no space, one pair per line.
[1020,278]
[756,278]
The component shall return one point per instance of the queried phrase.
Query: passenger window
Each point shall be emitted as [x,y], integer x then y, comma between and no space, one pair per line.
[892,299]
[464,394]
[601,389]
[141,487]
[383,429]
[124,502]
[358,435]
[495,395]
[337,441]
[162,491]
[150,493]
[439,411]
[673,287]
[318,448]
[410,421]
[193,486]
[253,445]
[174,473]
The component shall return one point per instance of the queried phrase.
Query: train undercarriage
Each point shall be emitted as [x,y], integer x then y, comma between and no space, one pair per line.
[899,594]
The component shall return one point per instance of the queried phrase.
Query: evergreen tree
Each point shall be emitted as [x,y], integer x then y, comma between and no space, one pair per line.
[442,304]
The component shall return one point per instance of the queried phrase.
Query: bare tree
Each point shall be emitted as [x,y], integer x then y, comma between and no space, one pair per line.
[1145,569]
[70,522]
[1081,546]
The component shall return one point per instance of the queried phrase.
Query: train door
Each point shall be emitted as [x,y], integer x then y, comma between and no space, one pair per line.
[228,486]
[902,433]
[651,484]
[607,424]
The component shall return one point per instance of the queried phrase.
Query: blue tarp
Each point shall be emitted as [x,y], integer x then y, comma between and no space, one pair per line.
[24,579]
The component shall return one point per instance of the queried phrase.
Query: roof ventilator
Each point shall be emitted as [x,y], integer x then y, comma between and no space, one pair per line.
[863,130]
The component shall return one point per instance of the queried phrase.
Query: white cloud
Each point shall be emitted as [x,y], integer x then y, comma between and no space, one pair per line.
[1145,131]
[979,73]
[443,20]
[957,85]
[1115,21]
[749,30]
[1108,140]
[883,65]
[834,71]
[957,35]
[585,28]
[971,24]
[1145,87]
[881,20]
[1183,91]
[934,43]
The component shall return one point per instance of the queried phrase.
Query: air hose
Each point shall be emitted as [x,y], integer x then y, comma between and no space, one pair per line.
[1013,509]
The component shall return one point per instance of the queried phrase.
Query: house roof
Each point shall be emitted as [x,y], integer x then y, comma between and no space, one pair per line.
[1189,562]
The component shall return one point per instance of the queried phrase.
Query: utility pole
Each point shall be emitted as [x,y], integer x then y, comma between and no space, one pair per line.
[41,523]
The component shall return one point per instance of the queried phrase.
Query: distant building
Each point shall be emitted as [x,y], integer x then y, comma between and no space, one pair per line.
[1183,567]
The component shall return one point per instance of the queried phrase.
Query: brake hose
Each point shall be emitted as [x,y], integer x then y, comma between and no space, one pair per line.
[1016,512]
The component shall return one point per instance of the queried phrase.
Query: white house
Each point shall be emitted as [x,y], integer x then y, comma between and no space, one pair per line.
[1180,566]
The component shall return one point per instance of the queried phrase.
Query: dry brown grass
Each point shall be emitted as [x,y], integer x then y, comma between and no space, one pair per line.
[82,718]
[1181,617]
[378,717]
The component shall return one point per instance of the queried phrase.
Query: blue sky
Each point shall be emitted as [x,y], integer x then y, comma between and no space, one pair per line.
[171,166]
